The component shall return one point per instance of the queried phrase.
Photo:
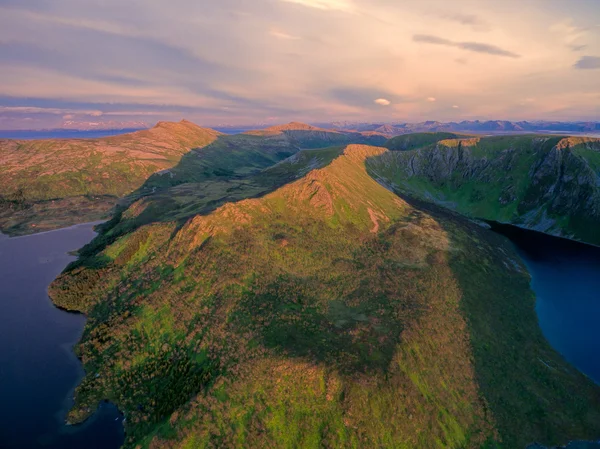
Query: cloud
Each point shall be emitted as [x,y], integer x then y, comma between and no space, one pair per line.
[588,62]
[134,113]
[455,106]
[477,47]
[428,39]
[282,35]
[45,110]
[29,110]
[68,117]
[471,20]
[362,97]
[240,61]
[431,99]
[570,33]
[326,5]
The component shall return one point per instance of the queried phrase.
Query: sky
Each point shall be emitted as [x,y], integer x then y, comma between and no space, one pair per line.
[237,62]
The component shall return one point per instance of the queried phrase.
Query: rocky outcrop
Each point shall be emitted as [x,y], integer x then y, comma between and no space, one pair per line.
[550,184]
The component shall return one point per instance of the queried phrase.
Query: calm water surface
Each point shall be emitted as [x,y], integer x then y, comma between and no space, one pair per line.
[566,281]
[38,369]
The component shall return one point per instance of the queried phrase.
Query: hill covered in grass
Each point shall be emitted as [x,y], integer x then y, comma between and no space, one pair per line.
[308,306]
[57,168]
[549,184]
[57,182]
[308,136]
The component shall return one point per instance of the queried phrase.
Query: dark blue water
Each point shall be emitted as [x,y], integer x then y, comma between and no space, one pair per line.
[566,281]
[38,369]
[63,133]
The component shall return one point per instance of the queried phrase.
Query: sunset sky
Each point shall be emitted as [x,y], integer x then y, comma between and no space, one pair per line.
[270,61]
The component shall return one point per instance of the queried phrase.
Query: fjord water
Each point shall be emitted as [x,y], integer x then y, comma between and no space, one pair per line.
[38,369]
[565,277]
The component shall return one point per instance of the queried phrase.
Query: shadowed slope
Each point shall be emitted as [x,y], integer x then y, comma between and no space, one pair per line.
[327,313]
[187,199]
[417,140]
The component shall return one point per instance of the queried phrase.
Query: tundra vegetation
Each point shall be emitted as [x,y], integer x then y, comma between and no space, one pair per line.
[546,183]
[47,184]
[292,300]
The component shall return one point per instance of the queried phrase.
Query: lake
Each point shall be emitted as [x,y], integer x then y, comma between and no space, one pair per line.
[566,281]
[38,369]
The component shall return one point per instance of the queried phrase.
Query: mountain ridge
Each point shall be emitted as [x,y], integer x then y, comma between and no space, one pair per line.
[471,126]
[327,312]
[53,177]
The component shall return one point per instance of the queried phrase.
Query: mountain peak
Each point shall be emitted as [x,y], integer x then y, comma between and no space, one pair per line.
[292,126]
[182,126]
[168,124]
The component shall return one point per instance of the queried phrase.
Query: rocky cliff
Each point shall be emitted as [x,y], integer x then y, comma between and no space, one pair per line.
[550,184]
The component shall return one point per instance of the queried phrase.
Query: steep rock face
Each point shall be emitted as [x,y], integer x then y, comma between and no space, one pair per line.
[566,181]
[544,183]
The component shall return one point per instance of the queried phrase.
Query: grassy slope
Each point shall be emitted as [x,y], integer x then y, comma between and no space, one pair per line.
[307,136]
[326,313]
[417,140]
[545,183]
[59,168]
[182,201]
[54,183]
[58,182]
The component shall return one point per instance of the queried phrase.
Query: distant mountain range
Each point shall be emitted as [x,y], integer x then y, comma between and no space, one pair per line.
[385,129]
[474,126]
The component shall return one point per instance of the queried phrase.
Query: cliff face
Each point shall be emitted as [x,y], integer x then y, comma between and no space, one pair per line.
[550,184]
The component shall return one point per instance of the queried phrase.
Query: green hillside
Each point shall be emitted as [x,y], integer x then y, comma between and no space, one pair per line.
[308,306]
[307,136]
[54,183]
[47,184]
[549,184]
